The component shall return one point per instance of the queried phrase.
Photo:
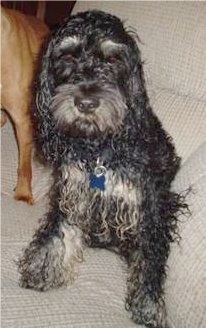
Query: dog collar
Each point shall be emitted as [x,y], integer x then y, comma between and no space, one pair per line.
[97,177]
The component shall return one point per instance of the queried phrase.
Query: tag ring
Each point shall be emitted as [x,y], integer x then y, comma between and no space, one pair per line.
[100,170]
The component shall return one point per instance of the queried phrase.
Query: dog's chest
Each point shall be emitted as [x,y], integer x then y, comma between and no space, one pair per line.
[107,184]
[106,213]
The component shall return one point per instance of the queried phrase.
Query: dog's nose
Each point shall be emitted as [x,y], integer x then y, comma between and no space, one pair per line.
[86,105]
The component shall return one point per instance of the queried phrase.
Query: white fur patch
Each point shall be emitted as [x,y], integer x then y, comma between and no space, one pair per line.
[73,250]
[116,187]
[108,46]
[69,42]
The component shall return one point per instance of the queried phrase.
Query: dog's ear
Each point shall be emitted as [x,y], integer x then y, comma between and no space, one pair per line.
[136,82]
[49,143]
[157,141]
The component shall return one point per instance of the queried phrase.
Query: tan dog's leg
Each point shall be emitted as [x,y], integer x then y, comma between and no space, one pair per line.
[21,40]
[23,130]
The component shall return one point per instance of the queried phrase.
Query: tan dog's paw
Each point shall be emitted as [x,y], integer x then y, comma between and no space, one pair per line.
[24,194]
[26,198]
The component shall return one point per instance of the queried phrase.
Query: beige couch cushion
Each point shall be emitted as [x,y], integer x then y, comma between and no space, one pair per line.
[183,117]
[96,299]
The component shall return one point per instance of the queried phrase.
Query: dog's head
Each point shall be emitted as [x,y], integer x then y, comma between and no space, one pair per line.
[93,67]
[92,102]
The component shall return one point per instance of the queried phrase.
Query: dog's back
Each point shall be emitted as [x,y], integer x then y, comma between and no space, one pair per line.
[22,37]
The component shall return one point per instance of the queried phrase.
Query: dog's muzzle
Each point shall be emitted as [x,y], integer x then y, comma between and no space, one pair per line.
[88,110]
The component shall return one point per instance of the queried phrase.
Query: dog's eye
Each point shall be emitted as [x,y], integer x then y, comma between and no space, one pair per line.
[111,59]
[70,55]
[67,57]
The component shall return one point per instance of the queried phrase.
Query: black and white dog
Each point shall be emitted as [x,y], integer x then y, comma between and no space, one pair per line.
[112,161]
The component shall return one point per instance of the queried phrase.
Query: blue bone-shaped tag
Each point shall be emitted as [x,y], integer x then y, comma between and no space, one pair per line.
[97,181]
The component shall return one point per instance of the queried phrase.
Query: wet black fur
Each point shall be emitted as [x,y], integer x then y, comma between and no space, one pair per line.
[142,151]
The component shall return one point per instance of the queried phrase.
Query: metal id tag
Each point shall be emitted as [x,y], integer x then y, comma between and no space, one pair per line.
[97,178]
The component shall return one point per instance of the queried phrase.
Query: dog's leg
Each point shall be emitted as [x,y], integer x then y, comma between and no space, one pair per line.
[144,293]
[147,263]
[24,139]
[49,260]
[23,128]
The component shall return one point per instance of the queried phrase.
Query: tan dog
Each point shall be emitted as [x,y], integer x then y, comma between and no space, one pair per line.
[21,40]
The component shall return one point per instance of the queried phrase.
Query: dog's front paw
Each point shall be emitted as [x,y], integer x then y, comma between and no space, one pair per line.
[41,266]
[146,311]
[50,264]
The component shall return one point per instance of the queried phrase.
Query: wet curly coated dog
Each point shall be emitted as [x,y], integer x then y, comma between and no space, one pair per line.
[113,164]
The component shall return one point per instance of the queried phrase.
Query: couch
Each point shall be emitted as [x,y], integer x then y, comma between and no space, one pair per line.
[173,46]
